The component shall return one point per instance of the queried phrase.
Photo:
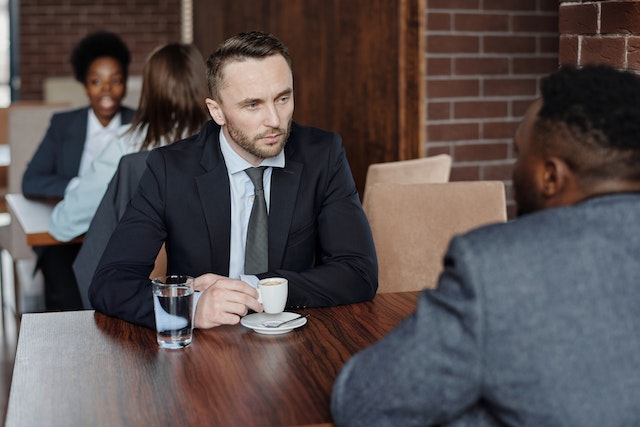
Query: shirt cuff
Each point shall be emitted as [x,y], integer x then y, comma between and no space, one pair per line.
[250,279]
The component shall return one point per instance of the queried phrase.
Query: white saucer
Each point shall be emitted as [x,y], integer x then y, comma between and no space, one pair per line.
[255,321]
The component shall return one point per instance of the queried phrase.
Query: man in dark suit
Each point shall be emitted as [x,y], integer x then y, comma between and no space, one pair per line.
[196,197]
[534,322]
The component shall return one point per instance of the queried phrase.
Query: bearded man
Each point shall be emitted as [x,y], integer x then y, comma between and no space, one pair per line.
[197,199]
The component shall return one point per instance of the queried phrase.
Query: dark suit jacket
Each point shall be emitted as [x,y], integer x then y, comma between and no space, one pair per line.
[57,159]
[533,323]
[319,237]
[114,202]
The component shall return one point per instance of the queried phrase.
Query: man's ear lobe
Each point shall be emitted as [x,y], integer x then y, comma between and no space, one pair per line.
[557,177]
[215,111]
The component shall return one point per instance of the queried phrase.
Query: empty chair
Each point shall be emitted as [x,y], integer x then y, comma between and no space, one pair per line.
[26,125]
[415,171]
[412,225]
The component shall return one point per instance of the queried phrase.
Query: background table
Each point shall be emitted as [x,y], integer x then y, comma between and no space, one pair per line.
[34,216]
[84,368]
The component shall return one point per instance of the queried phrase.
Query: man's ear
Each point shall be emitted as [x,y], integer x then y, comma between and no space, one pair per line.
[215,111]
[558,179]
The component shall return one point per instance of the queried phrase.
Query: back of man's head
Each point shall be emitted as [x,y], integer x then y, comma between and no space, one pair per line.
[590,117]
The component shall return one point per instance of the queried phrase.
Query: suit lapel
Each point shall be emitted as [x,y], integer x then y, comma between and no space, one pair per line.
[213,190]
[284,190]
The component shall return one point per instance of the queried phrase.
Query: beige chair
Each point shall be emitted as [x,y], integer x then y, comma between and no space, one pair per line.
[415,171]
[412,225]
[27,123]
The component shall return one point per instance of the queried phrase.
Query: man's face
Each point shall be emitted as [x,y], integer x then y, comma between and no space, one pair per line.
[529,165]
[255,107]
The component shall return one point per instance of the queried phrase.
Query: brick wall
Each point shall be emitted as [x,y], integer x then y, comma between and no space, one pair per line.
[49,30]
[600,32]
[484,62]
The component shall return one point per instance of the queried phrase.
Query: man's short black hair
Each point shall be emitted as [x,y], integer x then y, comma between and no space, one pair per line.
[596,109]
[595,98]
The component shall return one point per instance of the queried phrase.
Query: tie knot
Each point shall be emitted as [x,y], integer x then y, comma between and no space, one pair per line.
[255,174]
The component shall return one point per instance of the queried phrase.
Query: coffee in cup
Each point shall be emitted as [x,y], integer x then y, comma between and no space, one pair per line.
[273,293]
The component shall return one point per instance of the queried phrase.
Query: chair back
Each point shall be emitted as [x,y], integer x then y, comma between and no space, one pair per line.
[412,225]
[414,171]
[27,124]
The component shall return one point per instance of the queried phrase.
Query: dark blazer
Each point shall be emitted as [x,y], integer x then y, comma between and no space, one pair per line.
[57,159]
[533,323]
[114,202]
[319,237]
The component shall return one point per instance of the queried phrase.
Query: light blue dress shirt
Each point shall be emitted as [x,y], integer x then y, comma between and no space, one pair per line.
[242,194]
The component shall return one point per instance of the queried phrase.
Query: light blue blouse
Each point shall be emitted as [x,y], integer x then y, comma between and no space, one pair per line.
[72,215]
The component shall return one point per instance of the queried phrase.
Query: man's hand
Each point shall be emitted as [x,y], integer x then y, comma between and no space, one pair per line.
[223,301]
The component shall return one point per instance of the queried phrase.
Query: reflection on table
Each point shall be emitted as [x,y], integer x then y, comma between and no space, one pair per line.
[33,216]
[84,368]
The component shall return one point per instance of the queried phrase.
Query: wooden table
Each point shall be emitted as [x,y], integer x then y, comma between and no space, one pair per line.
[84,368]
[33,216]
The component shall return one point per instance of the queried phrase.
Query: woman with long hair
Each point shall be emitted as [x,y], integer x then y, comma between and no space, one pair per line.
[172,107]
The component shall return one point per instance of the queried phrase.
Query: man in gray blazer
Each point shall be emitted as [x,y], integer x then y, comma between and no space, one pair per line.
[534,322]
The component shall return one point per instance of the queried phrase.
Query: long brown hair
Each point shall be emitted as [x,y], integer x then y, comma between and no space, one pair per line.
[172,101]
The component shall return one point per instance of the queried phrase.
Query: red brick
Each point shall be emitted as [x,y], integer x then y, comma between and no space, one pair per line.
[464,173]
[452,88]
[481,22]
[548,44]
[453,132]
[620,17]
[438,21]
[453,44]
[603,50]
[498,172]
[535,23]
[480,152]
[482,65]
[633,53]
[453,4]
[578,19]
[568,51]
[438,149]
[510,87]
[479,109]
[50,29]
[439,67]
[438,110]
[535,65]
[499,130]
[509,44]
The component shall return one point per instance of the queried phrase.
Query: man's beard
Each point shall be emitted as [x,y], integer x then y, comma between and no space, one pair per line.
[250,144]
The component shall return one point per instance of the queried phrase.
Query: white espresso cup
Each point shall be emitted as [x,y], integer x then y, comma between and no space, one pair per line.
[273,294]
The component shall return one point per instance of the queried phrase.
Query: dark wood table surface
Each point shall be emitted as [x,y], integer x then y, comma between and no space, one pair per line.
[83,368]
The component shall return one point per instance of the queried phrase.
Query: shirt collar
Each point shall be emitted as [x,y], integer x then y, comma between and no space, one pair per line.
[94,125]
[236,164]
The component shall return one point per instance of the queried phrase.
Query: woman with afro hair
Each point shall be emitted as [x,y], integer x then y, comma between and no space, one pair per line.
[73,140]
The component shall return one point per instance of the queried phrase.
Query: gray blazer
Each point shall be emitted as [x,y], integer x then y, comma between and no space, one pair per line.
[120,191]
[534,323]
